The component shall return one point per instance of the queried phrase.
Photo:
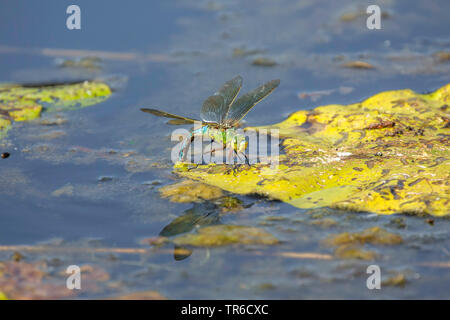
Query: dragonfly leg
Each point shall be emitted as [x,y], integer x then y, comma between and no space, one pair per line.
[237,166]
[211,150]
[246,159]
[186,144]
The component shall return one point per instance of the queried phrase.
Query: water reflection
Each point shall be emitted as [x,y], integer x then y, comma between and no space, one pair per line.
[202,214]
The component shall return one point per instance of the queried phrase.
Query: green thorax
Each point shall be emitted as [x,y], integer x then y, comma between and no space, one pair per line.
[220,135]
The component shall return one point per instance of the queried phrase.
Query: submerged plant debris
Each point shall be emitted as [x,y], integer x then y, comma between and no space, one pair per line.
[358,65]
[374,235]
[388,154]
[23,103]
[141,295]
[20,280]
[221,235]
[264,62]
[398,280]
[349,245]
[354,252]
[190,191]
[91,63]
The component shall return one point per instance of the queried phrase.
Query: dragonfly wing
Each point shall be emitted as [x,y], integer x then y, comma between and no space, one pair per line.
[215,108]
[242,105]
[230,90]
[178,119]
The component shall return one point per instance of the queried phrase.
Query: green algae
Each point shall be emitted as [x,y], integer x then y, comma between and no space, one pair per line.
[222,235]
[388,154]
[24,103]
[374,235]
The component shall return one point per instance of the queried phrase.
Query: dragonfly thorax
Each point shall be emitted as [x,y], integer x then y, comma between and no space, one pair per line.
[226,137]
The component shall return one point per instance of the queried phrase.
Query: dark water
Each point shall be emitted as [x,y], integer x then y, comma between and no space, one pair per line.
[196,40]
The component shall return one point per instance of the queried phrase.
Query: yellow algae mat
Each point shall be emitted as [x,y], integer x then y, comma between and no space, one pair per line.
[18,103]
[387,154]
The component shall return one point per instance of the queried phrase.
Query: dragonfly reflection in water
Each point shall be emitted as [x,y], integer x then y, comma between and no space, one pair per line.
[221,114]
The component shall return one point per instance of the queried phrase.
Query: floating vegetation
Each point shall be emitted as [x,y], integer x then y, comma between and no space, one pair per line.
[264,62]
[442,56]
[354,252]
[358,65]
[374,235]
[350,245]
[222,235]
[56,120]
[141,295]
[190,191]
[325,222]
[398,280]
[19,103]
[242,51]
[348,157]
[89,63]
[230,204]
[66,190]
[357,14]
[21,280]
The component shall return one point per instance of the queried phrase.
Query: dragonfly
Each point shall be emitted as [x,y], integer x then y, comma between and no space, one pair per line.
[221,115]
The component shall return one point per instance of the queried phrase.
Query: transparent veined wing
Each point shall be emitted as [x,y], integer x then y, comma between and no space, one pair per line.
[230,90]
[243,104]
[213,110]
[215,107]
[180,121]
[177,119]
